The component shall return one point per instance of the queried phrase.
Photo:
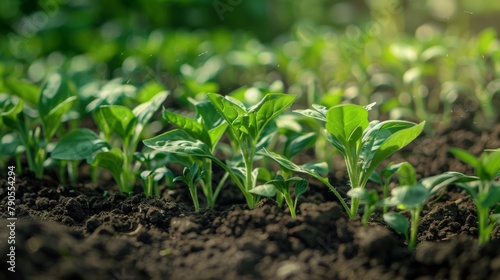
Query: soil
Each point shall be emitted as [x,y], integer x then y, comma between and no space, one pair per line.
[83,232]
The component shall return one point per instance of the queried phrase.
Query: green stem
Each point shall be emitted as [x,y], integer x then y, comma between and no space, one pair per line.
[484,235]
[415,216]
[248,196]
[339,197]
[194,195]
[290,204]
[207,183]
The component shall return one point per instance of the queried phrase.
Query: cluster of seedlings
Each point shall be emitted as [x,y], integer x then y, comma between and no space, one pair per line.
[49,135]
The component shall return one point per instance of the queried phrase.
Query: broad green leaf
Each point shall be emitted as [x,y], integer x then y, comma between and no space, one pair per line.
[81,143]
[190,126]
[410,196]
[397,222]
[268,108]
[111,160]
[301,187]
[266,190]
[320,167]
[145,111]
[466,157]
[343,120]
[179,142]
[298,142]
[205,114]
[115,118]
[406,174]
[395,142]
[227,108]
[56,99]
[376,134]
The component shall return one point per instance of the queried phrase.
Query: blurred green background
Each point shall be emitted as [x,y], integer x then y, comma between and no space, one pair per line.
[415,58]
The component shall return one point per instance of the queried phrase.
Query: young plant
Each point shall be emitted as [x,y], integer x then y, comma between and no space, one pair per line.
[363,144]
[383,178]
[484,190]
[284,188]
[102,151]
[191,176]
[54,100]
[246,125]
[411,195]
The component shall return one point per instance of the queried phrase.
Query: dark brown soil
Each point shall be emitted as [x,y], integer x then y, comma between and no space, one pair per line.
[78,232]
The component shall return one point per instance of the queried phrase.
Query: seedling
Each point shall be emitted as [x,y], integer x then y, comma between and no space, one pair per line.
[150,180]
[99,151]
[246,125]
[411,195]
[284,188]
[383,178]
[191,176]
[484,190]
[363,144]
[54,101]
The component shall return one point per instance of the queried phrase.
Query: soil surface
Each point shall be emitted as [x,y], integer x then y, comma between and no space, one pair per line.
[83,232]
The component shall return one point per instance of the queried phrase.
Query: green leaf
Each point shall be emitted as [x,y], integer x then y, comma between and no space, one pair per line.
[190,126]
[229,109]
[466,157]
[268,108]
[10,145]
[369,197]
[406,174]
[287,164]
[376,134]
[395,142]
[301,187]
[81,143]
[266,190]
[410,196]
[397,222]
[179,142]
[491,165]
[343,120]
[435,183]
[205,114]
[26,91]
[56,99]
[297,143]
[216,133]
[115,118]
[319,112]
[491,198]
[376,178]
[145,111]
[320,167]
[112,161]
[12,110]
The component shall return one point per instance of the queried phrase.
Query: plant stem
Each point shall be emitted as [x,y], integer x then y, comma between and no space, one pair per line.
[194,195]
[207,183]
[415,216]
[339,197]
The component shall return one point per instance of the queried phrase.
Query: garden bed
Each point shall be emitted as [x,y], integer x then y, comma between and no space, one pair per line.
[82,232]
